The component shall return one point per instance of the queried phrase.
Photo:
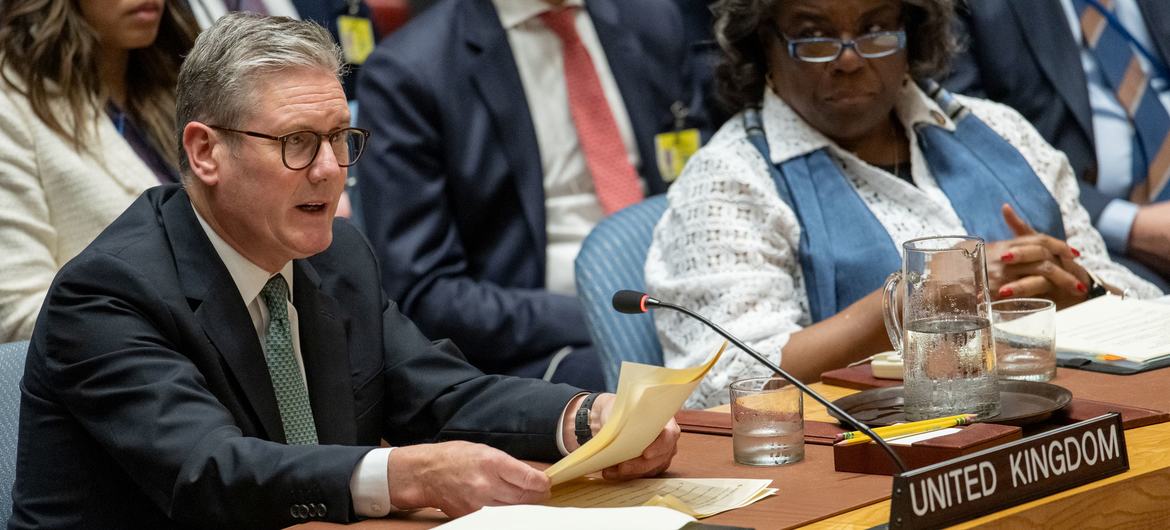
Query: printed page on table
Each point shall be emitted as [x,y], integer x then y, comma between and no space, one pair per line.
[696,497]
[647,397]
[530,517]
[1135,330]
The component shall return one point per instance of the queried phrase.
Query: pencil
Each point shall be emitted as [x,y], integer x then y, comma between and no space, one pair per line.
[905,429]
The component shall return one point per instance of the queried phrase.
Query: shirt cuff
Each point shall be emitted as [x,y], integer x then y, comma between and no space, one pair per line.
[1115,222]
[561,425]
[369,487]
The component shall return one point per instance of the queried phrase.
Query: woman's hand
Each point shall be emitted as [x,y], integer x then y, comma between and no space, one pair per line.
[1034,264]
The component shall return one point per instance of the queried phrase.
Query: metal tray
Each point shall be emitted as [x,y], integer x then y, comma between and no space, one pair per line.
[1020,403]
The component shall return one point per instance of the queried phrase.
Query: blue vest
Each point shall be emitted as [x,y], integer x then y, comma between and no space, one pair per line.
[845,253]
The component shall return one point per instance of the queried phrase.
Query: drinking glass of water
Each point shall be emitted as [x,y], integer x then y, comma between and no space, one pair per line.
[1025,338]
[767,422]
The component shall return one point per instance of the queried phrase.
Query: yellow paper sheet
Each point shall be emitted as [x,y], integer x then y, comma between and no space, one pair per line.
[698,498]
[647,397]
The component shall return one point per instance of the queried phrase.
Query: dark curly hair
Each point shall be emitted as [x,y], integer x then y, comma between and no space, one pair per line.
[742,31]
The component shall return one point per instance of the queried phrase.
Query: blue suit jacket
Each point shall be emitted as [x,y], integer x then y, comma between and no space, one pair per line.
[1022,53]
[146,401]
[451,182]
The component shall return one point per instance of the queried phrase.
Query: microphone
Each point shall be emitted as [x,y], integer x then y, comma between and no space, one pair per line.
[634,302]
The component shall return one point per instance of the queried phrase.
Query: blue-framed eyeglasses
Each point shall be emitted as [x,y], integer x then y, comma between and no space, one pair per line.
[827,49]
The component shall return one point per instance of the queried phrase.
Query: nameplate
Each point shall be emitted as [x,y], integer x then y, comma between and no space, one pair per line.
[993,479]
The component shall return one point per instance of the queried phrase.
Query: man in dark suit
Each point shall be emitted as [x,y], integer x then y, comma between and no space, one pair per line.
[1033,56]
[479,185]
[222,355]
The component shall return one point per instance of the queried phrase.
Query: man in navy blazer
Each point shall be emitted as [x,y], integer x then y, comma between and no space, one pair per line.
[165,385]
[1024,54]
[454,187]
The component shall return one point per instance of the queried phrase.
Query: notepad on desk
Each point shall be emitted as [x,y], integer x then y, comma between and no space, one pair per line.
[697,497]
[1109,334]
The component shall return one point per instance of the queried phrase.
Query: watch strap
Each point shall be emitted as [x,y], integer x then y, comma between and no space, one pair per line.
[584,433]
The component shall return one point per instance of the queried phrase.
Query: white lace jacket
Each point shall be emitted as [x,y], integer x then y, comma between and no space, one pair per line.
[728,245]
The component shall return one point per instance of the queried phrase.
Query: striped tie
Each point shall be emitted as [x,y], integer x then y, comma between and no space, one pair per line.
[1122,70]
[292,397]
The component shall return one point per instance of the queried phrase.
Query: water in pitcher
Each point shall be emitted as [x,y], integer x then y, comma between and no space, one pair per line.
[955,363]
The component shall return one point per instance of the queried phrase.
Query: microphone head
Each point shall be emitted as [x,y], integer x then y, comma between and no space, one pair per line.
[630,302]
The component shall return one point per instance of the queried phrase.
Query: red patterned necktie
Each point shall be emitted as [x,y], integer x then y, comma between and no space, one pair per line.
[614,177]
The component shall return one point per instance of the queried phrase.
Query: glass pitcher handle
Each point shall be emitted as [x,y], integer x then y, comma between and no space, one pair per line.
[891,310]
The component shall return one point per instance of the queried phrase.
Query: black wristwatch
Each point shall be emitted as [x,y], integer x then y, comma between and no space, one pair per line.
[584,433]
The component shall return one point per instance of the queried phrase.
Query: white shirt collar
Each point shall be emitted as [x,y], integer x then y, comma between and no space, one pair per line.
[515,12]
[249,277]
[789,136]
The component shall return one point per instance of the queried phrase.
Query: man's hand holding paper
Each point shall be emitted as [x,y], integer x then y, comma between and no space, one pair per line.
[653,460]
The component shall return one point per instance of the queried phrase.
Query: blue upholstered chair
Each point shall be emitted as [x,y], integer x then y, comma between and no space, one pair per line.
[613,258]
[11,369]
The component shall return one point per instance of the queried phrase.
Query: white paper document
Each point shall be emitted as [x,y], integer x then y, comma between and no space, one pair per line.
[529,517]
[698,497]
[1133,330]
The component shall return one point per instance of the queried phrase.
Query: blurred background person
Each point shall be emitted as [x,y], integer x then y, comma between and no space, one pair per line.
[1038,58]
[503,131]
[785,226]
[87,116]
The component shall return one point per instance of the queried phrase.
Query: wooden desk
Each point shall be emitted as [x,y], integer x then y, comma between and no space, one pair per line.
[1138,498]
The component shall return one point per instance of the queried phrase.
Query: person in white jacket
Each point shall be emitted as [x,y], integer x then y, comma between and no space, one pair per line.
[87,110]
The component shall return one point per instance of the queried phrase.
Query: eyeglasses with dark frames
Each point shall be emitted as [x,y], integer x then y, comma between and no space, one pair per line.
[827,49]
[298,149]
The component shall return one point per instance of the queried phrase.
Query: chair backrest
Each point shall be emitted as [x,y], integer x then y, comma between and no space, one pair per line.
[612,258]
[11,369]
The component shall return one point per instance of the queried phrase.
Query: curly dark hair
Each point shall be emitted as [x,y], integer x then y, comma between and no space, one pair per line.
[742,31]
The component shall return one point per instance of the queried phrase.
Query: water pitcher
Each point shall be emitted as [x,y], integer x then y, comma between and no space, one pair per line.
[938,315]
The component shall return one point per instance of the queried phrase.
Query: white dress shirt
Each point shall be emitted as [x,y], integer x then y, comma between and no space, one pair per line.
[369,485]
[571,205]
[1113,133]
[730,247]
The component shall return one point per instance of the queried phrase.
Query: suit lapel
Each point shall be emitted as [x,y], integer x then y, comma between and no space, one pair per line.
[637,79]
[223,315]
[498,83]
[1060,62]
[326,357]
[1157,16]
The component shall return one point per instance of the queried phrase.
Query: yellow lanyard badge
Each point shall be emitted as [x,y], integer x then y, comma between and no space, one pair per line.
[674,148]
[357,38]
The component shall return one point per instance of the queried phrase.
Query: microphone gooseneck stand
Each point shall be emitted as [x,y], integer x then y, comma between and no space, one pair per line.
[621,302]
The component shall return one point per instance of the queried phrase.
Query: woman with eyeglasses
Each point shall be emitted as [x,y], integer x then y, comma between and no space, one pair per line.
[841,150]
[87,110]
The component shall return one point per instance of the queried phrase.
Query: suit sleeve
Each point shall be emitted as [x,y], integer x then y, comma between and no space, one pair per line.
[429,391]
[412,225]
[109,357]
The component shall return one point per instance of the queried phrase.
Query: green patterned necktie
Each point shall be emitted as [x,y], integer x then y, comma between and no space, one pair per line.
[292,396]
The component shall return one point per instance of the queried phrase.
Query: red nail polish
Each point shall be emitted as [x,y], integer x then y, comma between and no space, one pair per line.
[1007,257]
[1005,292]
[1081,287]
[1076,253]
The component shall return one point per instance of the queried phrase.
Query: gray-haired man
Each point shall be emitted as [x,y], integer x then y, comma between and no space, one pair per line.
[222,356]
